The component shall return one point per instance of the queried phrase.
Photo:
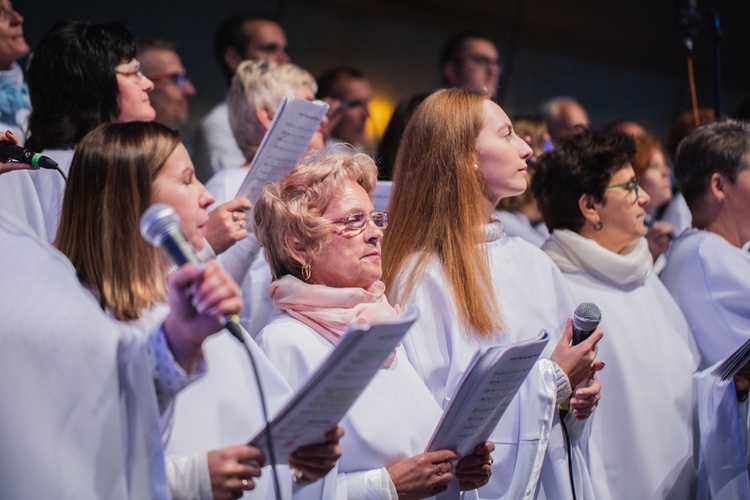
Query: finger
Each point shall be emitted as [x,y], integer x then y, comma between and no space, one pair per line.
[593,339]
[335,434]
[439,456]
[329,451]
[186,275]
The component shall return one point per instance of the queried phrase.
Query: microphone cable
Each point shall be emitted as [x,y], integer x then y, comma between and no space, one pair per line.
[264,409]
[569,450]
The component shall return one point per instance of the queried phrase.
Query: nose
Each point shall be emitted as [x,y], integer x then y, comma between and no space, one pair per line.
[373,234]
[146,84]
[643,197]
[15,17]
[524,150]
[205,199]
[189,89]
[283,56]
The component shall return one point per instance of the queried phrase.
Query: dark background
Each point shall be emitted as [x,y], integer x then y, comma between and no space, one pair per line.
[621,59]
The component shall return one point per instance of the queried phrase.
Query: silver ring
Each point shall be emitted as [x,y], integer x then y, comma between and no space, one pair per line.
[242,224]
[492,461]
[235,217]
[440,470]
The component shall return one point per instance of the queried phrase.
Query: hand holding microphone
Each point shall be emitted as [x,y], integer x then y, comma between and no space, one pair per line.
[575,353]
[10,150]
[160,226]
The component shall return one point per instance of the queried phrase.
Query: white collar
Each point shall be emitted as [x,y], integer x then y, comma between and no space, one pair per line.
[573,253]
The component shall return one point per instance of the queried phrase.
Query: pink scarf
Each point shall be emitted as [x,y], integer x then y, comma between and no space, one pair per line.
[329,310]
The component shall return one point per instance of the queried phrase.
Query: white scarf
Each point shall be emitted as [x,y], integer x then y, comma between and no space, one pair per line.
[573,253]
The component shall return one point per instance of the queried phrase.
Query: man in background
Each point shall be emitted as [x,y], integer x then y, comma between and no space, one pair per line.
[173,90]
[348,92]
[240,37]
[469,60]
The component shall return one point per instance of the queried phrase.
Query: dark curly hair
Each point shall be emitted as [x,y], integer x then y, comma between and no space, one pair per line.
[584,164]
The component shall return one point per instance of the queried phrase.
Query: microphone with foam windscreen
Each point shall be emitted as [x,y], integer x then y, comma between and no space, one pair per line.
[160,226]
[586,318]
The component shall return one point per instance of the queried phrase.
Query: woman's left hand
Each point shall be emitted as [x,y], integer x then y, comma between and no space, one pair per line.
[474,471]
[587,395]
[227,224]
[659,236]
[316,460]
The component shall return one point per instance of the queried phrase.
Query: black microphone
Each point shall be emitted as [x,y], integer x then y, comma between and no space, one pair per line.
[586,318]
[160,226]
[23,155]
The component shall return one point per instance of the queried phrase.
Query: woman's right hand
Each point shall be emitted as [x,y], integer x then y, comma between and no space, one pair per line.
[232,470]
[423,475]
[577,361]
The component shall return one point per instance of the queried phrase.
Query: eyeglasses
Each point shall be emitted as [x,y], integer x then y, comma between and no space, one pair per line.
[485,61]
[359,220]
[630,186]
[179,79]
[130,70]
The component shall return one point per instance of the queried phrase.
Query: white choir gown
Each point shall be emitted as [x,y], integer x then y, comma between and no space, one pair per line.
[392,420]
[223,409]
[710,280]
[79,415]
[530,460]
[642,438]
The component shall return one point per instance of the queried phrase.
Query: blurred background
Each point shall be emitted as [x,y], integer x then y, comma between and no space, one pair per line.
[621,60]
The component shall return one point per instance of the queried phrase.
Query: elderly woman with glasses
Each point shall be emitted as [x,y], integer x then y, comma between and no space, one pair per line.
[321,237]
[641,439]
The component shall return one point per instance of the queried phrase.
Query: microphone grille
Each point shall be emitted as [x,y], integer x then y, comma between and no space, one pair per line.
[586,317]
[158,220]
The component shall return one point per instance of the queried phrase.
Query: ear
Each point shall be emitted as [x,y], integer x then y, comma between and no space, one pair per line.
[232,58]
[297,252]
[450,72]
[589,207]
[717,187]
[264,116]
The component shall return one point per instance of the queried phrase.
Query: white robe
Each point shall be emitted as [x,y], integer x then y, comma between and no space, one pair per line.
[50,188]
[642,438]
[530,457]
[393,419]
[215,146]
[244,261]
[517,224]
[78,413]
[710,280]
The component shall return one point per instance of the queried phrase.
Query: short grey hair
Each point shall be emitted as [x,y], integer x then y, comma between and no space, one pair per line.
[259,84]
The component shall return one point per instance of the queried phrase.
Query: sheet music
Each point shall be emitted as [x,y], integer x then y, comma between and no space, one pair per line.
[334,387]
[284,143]
[382,195]
[489,384]
[730,366]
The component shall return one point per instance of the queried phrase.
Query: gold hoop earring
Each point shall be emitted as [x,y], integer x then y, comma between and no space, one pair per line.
[597,226]
[306,272]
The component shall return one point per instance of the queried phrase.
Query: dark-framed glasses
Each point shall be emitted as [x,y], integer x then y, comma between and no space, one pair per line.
[631,186]
[130,70]
[358,220]
[179,79]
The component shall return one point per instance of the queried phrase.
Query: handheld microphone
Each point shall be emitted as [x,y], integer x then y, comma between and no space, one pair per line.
[23,155]
[586,318]
[160,226]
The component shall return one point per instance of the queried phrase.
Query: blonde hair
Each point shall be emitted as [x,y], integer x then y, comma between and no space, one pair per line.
[108,189]
[436,206]
[289,212]
[259,84]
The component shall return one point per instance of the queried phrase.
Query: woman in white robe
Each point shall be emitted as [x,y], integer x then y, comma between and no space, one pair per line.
[642,437]
[78,389]
[127,276]
[708,274]
[458,158]
[322,237]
